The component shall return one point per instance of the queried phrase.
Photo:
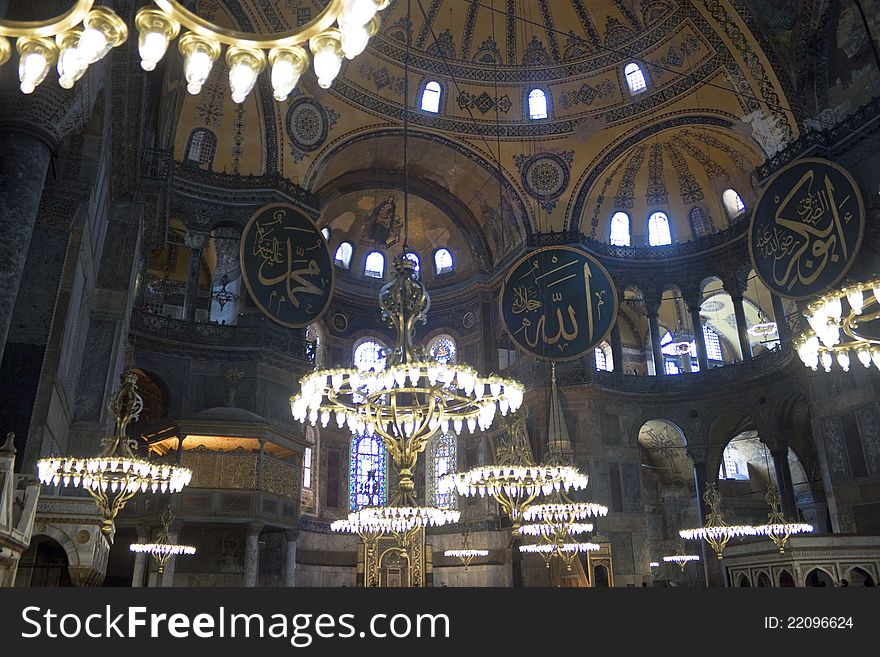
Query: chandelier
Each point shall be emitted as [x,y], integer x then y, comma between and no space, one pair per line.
[778,529]
[466,554]
[341,30]
[162,550]
[716,532]
[556,526]
[763,330]
[73,41]
[115,475]
[833,335]
[223,296]
[413,395]
[567,551]
[680,558]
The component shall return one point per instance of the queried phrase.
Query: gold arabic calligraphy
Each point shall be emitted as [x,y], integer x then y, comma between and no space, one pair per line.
[818,229]
[284,260]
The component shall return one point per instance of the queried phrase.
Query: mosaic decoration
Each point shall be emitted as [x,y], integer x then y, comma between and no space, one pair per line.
[307,125]
[691,192]
[238,138]
[209,111]
[286,265]
[626,190]
[545,176]
[806,228]
[656,193]
[469,23]
[484,102]
[535,53]
[586,94]
[547,18]
[558,303]
[380,77]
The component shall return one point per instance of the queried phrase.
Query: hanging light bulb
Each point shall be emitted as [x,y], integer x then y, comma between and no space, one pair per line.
[355,36]
[327,52]
[103,31]
[288,64]
[36,56]
[71,66]
[361,11]
[244,65]
[156,30]
[199,54]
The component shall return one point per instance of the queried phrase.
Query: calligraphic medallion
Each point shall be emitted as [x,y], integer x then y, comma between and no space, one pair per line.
[558,303]
[286,265]
[806,229]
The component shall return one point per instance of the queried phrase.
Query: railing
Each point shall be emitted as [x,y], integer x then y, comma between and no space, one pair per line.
[262,336]
[240,470]
[537,374]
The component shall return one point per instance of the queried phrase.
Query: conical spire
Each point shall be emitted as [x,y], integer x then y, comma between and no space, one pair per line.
[558,439]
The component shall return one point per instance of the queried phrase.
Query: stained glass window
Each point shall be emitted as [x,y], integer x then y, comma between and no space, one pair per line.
[369,355]
[343,255]
[620,229]
[635,78]
[658,230]
[443,261]
[604,360]
[367,471]
[374,265]
[700,221]
[431,97]
[537,104]
[442,462]
[442,348]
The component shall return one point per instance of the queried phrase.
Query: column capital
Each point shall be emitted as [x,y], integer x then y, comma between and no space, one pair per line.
[196,239]
[254,528]
[291,535]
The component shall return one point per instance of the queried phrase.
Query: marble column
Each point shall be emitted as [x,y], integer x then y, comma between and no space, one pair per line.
[783,481]
[196,242]
[699,338]
[654,326]
[782,327]
[617,347]
[742,327]
[23,165]
[290,560]
[140,561]
[252,555]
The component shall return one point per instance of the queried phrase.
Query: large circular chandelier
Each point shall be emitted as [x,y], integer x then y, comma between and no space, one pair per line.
[413,395]
[565,550]
[836,336]
[777,528]
[116,475]
[680,558]
[716,532]
[342,29]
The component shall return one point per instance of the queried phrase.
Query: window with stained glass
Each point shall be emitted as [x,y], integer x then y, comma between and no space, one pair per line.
[442,462]
[442,349]
[367,471]
[369,355]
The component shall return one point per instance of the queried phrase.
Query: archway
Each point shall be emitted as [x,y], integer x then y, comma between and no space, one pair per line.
[743,581]
[785,579]
[764,581]
[859,577]
[818,578]
[44,563]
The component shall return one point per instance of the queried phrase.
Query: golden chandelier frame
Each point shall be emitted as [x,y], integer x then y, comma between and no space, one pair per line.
[341,30]
[716,532]
[778,529]
[834,336]
[163,549]
[115,475]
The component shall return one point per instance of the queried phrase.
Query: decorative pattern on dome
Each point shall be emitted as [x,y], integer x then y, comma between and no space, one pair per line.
[626,190]
[691,192]
[545,176]
[484,102]
[656,193]
[307,125]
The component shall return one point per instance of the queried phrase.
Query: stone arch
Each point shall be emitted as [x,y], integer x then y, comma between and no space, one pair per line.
[819,576]
[763,580]
[785,579]
[743,581]
[863,575]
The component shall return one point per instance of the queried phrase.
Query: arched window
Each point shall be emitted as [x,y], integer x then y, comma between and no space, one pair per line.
[733,203]
[713,344]
[374,265]
[658,230]
[635,78]
[367,479]
[537,104]
[443,261]
[700,221]
[443,454]
[202,146]
[604,359]
[431,97]
[733,465]
[443,349]
[315,344]
[343,255]
[369,355]
[414,258]
[620,229]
